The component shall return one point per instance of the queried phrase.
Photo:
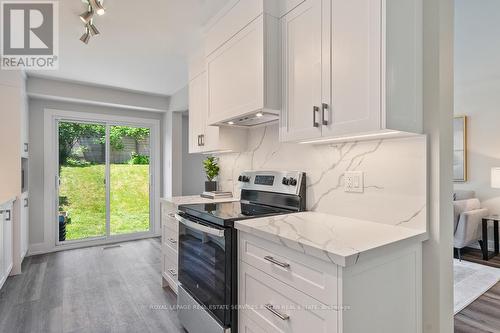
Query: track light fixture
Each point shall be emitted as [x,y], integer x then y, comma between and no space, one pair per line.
[87,16]
[86,36]
[93,7]
[92,28]
[98,7]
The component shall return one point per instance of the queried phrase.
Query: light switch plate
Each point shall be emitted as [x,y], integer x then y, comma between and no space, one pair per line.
[354,181]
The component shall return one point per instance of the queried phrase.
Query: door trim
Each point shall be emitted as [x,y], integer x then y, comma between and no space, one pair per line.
[51,116]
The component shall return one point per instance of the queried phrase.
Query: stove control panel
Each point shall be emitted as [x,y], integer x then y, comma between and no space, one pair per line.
[272,181]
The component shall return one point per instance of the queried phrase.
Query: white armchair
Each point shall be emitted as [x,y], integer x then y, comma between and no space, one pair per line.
[468,215]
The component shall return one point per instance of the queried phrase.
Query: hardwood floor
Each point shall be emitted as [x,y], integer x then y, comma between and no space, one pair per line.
[113,289]
[475,255]
[481,316]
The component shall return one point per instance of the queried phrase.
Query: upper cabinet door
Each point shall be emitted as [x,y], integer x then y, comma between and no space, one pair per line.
[352,103]
[197,112]
[302,71]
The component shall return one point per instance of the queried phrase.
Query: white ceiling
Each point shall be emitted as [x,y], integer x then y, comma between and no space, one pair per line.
[143,44]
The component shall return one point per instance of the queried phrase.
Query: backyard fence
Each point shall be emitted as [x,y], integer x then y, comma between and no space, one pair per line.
[92,151]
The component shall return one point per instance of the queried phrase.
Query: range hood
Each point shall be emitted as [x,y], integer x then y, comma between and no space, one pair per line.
[250,120]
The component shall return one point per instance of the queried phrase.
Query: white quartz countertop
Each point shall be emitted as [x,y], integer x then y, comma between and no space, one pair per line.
[195,199]
[7,202]
[341,240]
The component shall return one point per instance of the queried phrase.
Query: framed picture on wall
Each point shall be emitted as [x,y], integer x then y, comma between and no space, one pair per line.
[460,149]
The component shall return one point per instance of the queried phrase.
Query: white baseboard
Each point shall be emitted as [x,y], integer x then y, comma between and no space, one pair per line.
[43,248]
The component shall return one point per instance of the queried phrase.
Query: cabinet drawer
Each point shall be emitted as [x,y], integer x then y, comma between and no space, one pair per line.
[170,238]
[169,272]
[168,218]
[246,325]
[171,253]
[312,276]
[278,307]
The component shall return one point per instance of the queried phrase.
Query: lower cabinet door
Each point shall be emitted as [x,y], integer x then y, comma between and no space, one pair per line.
[278,307]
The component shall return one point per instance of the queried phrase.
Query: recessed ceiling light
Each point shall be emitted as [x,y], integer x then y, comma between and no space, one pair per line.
[259,114]
[230,122]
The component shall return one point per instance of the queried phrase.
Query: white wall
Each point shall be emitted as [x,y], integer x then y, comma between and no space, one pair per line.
[477,92]
[193,176]
[36,163]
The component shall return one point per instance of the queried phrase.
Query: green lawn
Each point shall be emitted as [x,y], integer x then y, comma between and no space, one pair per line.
[83,197]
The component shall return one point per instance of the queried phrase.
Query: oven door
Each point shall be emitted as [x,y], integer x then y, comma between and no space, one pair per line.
[205,265]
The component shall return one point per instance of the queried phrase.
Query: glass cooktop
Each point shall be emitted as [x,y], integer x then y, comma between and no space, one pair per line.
[226,212]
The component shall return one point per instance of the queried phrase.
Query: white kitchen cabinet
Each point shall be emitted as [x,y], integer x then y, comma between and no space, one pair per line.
[284,288]
[169,241]
[6,237]
[369,61]
[302,39]
[243,73]
[24,227]
[204,138]
[14,131]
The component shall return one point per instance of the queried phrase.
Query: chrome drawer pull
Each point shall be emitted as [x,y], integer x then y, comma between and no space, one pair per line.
[276,262]
[173,241]
[172,272]
[278,314]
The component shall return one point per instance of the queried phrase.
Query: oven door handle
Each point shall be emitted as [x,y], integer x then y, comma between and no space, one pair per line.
[200,227]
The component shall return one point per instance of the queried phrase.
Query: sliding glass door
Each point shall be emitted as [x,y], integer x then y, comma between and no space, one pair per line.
[104,180]
[129,180]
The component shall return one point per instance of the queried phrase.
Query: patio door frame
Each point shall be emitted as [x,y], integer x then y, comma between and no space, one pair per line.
[51,172]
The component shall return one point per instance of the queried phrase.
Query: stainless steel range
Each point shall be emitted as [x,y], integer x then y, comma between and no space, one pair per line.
[208,247]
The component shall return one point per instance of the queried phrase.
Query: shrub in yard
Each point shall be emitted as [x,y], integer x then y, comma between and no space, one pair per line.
[73,162]
[138,159]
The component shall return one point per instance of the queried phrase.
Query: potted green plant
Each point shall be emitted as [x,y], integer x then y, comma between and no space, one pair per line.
[211,166]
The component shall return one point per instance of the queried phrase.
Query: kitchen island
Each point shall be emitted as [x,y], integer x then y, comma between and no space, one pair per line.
[321,273]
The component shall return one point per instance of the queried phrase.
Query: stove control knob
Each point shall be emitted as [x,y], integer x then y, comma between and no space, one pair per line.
[285,181]
[245,179]
[240,178]
[293,181]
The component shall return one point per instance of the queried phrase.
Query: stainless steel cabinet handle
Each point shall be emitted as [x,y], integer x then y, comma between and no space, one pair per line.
[173,241]
[199,141]
[275,312]
[172,272]
[324,108]
[276,262]
[26,147]
[202,140]
[25,202]
[6,212]
[315,110]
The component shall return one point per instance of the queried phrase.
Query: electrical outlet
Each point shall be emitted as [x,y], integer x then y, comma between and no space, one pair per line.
[354,181]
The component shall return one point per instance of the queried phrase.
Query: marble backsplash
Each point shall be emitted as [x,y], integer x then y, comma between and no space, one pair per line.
[394,174]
